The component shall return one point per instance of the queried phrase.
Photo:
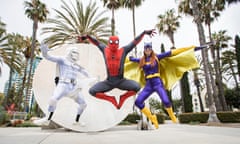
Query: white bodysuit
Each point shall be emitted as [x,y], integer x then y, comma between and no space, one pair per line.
[68,73]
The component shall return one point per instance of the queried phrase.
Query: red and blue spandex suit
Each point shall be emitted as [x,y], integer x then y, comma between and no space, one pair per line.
[114,58]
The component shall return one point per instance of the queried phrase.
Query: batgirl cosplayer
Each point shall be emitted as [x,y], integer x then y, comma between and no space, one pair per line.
[160,72]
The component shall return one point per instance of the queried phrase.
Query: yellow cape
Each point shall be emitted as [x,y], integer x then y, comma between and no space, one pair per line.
[171,68]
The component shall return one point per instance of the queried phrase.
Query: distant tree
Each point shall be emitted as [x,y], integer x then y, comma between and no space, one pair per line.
[72,21]
[228,60]
[37,12]
[196,13]
[185,93]
[168,24]
[221,41]
[112,5]
[232,97]
[132,4]
[2,39]
[237,49]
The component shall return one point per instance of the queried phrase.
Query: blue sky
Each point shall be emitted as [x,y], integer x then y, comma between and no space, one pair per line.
[12,13]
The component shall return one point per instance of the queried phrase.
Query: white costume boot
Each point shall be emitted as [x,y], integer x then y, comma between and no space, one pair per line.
[43,121]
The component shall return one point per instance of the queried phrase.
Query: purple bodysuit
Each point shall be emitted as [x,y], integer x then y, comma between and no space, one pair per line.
[153,81]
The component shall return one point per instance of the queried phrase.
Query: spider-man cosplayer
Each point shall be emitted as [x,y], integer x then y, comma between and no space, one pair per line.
[114,57]
[153,74]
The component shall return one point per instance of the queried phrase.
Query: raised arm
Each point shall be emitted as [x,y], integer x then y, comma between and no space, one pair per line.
[92,40]
[207,45]
[196,48]
[138,39]
[44,49]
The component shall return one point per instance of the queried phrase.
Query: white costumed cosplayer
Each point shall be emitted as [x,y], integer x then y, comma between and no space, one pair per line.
[67,83]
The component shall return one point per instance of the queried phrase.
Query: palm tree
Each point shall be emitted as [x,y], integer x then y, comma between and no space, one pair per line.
[37,12]
[237,49]
[112,5]
[13,58]
[210,12]
[228,59]
[221,40]
[10,52]
[73,21]
[196,13]
[2,38]
[191,7]
[131,4]
[168,24]
[26,51]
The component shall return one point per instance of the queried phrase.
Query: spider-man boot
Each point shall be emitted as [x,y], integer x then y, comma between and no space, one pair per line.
[124,97]
[107,98]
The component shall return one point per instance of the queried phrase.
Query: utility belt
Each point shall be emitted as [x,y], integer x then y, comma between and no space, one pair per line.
[153,75]
[67,80]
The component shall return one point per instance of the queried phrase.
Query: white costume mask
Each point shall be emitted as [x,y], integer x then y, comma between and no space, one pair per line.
[72,54]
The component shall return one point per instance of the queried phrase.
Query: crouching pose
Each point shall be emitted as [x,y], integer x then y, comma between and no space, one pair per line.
[154,70]
[114,57]
[68,72]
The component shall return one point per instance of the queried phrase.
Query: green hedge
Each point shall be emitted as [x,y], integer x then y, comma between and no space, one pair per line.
[26,124]
[229,117]
[3,116]
[224,117]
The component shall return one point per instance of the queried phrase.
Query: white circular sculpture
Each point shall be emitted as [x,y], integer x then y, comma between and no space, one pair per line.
[99,115]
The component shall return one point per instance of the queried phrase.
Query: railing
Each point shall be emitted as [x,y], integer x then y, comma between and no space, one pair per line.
[19,115]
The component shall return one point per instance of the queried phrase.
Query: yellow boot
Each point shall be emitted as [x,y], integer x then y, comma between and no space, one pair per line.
[171,114]
[152,118]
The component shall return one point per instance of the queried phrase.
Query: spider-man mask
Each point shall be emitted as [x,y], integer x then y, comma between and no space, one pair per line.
[113,43]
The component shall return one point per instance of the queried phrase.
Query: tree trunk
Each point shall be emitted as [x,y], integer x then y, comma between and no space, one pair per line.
[217,85]
[29,85]
[134,25]
[220,83]
[20,94]
[197,20]
[113,23]
[215,89]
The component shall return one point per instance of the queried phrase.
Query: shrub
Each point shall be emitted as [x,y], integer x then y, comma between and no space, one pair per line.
[225,117]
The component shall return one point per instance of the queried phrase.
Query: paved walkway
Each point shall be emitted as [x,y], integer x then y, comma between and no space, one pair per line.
[166,134]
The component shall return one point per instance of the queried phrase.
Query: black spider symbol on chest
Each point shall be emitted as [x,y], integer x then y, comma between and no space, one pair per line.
[113,57]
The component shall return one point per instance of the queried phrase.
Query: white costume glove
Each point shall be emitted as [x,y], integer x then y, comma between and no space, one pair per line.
[44,48]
